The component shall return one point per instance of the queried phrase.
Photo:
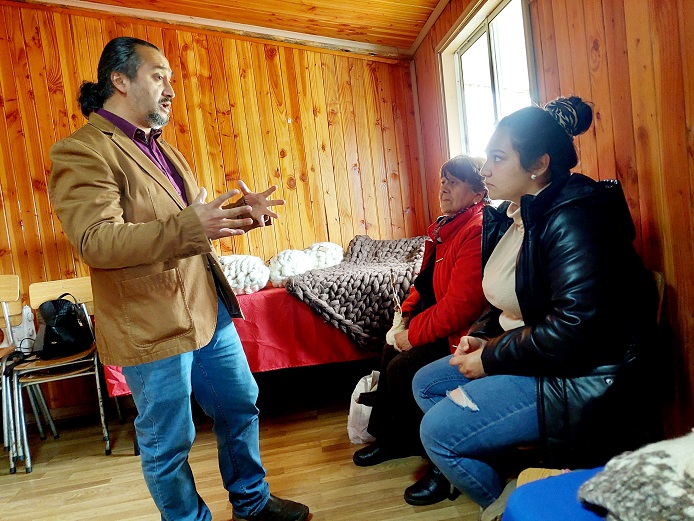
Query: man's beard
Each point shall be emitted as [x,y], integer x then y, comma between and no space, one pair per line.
[156,120]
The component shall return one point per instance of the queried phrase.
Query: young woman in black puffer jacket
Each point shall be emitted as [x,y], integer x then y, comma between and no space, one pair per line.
[559,357]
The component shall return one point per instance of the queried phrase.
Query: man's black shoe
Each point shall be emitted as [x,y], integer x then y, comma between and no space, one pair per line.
[278,509]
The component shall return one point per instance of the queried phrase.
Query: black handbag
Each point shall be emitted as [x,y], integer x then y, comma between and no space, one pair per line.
[63,329]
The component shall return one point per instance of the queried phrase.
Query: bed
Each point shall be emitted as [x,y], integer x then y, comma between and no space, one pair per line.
[279,332]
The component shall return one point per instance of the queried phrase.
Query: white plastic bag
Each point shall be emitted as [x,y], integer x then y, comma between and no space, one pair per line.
[24,334]
[358,417]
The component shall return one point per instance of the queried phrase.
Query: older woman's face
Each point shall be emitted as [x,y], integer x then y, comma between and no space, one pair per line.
[455,195]
[505,177]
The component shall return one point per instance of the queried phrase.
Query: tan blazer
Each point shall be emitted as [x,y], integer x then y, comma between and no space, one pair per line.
[151,262]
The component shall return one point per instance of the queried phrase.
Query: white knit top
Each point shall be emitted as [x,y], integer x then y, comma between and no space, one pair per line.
[499,279]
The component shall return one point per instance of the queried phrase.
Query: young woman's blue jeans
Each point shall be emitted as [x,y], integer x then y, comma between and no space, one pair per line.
[492,413]
[221,381]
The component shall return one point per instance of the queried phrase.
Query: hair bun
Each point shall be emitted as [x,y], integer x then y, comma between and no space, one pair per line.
[573,114]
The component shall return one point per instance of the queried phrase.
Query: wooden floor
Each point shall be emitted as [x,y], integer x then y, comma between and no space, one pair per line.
[306,452]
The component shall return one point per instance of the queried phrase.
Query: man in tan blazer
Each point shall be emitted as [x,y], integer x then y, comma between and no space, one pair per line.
[130,205]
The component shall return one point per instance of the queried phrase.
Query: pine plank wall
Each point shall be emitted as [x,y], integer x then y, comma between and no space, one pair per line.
[337,133]
[634,59]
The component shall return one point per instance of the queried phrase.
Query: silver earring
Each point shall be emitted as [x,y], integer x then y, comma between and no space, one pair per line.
[533,176]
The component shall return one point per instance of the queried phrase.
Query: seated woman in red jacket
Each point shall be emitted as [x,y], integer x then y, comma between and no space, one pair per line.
[445,299]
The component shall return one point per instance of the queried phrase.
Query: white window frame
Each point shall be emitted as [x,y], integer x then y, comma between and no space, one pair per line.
[474,20]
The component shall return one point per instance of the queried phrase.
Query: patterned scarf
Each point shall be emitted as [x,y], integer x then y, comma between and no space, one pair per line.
[444,220]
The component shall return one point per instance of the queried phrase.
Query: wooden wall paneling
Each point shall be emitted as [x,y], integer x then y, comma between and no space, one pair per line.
[139,31]
[257,178]
[364,143]
[11,243]
[586,143]
[549,64]
[113,27]
[296,138]
[600,89]
[620,102]
[70,85]
[308,130]
[373,110]
[40,62]
[677,189]
[222,119]
[433,128]
[27,267]
[334,210]
[408,153]
[645,129]
[80,44]
[193,62]
[212,122]
[394,180]
[32,97]
[349,133]
[71,81]
[268,138]
[298,151]
[337,146]
[686,18]
[95,42]
[290,213]
[536,30]
[252,243]
[183,138]
[563,47]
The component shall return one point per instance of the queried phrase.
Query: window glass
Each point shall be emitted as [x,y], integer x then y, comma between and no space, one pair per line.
[478,96]
[511,64]
[493,70]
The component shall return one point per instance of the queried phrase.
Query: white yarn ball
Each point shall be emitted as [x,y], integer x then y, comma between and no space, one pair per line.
[325,254]
[287,263]
[245,273]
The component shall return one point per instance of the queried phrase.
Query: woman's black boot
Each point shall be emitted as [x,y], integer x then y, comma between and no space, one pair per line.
[432,488]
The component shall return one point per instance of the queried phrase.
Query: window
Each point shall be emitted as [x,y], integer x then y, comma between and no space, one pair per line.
[487,76]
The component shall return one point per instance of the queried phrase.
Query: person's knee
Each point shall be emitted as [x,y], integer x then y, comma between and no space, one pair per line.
[433,430]
[420,381]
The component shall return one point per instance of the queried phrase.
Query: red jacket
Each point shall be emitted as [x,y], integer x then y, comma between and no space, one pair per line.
[457,281]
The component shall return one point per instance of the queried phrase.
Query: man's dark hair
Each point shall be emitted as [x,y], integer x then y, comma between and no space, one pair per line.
[120,54]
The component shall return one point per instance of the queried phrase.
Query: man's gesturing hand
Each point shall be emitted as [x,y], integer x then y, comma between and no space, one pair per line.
[216,221]
[259,202]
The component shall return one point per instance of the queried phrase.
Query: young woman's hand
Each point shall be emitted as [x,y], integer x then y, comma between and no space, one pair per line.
[468,357]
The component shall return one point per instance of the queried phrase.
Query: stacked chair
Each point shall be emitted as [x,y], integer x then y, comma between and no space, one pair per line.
[30,374]
[11,308]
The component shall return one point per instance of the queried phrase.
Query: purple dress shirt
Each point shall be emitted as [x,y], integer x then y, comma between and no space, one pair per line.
[150,148]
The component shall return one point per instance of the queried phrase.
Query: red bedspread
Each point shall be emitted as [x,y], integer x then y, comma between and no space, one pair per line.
[279,332]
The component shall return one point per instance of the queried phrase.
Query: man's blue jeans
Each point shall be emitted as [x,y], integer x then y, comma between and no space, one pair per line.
[222,383]
[491,413]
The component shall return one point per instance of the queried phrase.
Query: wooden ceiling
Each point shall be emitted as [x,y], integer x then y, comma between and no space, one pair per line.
[377,23]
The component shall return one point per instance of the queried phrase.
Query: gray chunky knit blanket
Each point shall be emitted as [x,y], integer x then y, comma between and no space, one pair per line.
[355,296]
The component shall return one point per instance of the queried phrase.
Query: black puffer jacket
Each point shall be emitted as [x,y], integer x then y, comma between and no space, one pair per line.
[587,301]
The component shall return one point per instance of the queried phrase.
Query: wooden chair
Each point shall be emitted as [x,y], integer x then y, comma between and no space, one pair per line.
[37,372]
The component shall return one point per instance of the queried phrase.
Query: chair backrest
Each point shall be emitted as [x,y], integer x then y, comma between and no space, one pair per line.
[80,288]
[11,304]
